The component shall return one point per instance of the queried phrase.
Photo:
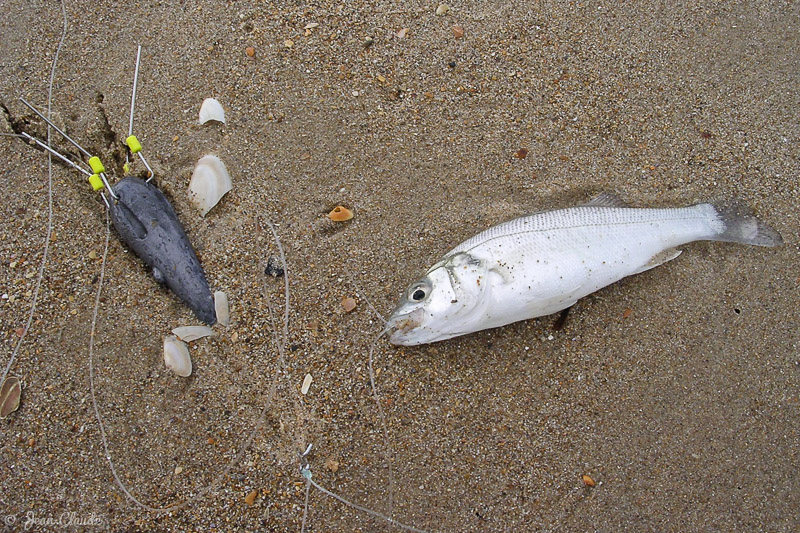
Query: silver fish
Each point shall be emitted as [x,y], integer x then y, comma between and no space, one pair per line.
[539,264]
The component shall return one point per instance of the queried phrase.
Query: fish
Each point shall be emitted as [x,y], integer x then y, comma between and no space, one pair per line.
[542,263]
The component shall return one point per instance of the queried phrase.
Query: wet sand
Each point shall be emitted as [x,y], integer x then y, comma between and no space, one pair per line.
[676,391]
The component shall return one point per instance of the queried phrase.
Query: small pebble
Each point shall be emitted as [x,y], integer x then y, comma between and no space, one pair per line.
[250,51]
[402,33]
[92,255]
[458,32]
[349,304]
[522,153]
[442,9]
[178,470]
[250,499]
[274,267]
[288,43]
[588,481]
[332,465]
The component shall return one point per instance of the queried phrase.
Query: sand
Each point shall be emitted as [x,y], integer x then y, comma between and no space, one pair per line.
[676,391]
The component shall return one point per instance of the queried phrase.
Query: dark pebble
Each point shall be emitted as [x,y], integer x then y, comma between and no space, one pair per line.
[274,267]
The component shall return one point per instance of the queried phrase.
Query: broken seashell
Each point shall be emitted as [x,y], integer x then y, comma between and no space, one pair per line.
[9,396]
[192,333]
[176,356]
[222,309]
[340,214]
[306,384]
[210,181]
[211,110]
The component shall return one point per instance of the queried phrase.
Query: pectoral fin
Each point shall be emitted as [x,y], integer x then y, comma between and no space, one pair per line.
[659,259]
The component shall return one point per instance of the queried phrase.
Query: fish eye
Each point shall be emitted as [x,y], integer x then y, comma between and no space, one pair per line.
[419,290]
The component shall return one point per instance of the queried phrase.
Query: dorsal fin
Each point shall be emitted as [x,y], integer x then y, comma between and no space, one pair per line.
[605,199]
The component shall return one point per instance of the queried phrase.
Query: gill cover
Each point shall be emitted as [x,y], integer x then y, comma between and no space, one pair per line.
[146,222]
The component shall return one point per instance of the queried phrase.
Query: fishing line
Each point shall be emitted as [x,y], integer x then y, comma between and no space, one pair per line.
[259,423]
[388,453]
[310,482]
[40,277]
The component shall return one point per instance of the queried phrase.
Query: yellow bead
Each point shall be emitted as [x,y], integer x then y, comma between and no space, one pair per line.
[97,166]
[95,182]
[133,144]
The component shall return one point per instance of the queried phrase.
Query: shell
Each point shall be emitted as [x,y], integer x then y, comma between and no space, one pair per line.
[176,356]
[340,214]
[192,333]
[306,384]
[222,308]
[210,182]
[9,396]
[211,110]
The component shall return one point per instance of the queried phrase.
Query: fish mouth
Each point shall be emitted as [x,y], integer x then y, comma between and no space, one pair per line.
[400,326]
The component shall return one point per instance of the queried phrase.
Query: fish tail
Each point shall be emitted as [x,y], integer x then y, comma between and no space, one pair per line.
[737,224]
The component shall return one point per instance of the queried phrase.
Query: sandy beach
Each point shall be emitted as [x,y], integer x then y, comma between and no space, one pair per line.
[670,401]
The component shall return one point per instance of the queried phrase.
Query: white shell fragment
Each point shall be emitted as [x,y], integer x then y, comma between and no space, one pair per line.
[222,309]
[176,356]
[210,182]
[192,333]
[306,384]
[211,110]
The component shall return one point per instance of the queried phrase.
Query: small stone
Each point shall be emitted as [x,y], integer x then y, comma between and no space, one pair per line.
[402,33]
[458,32]
[588,481]
[250,499]
[442,10]
[348,304]
[381,78]
[274,267]
[627,313]
[175,139]
[92,255]
[288,43]
[355,93]
[178,470]
[332,465]
[250,51]
[311,26]
[20,332]
[369,41]
[522,153]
